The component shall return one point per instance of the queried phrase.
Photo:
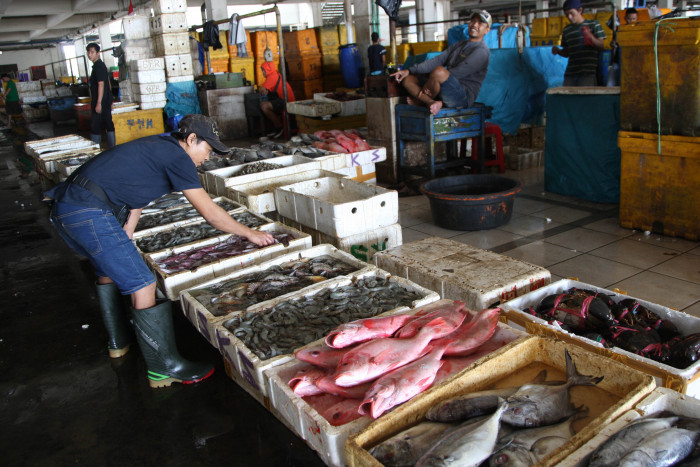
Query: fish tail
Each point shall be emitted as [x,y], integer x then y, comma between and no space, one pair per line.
[574,378]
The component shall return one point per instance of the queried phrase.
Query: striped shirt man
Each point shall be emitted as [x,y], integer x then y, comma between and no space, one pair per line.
[583,58]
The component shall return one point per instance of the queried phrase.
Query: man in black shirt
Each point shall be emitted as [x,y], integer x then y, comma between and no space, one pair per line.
[377,56]
[101,93]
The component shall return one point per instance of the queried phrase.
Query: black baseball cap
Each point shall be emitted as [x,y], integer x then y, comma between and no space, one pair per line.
[205,128]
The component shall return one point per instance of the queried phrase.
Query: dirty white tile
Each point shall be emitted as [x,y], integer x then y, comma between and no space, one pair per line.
[594,270]
[487,239]
[660,289]
[610,225]
[685,266]
[528,225]
[639,254]
[562,214]
[414,216]
[541,253]
[410,235]
[581,239]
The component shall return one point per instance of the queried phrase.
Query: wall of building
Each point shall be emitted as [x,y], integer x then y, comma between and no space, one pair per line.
[28,58]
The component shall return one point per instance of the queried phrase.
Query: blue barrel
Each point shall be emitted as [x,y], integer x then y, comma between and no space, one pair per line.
[351,65]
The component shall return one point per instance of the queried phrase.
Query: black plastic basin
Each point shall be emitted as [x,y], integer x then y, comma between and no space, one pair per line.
[471,202]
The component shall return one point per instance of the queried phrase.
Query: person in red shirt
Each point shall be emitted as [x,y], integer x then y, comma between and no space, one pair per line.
[272,103]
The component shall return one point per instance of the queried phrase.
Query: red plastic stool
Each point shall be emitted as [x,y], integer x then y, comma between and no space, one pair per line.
[491,129]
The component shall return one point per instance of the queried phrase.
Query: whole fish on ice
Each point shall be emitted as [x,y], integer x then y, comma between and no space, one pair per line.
[406,447]
[365,329]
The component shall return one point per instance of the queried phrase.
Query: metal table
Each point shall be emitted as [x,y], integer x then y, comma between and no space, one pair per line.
[415,123]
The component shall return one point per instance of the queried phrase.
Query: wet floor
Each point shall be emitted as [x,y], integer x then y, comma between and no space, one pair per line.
[64,401]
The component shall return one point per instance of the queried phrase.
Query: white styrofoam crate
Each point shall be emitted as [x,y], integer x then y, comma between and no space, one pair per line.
[169,6]
[143,98]
[252,368]
[153,105]
[32,147]
[148,88]
[147,64]
[180,79]
[63,168]
[28,86]
[457,271]
[178,65]
[191,220]
[686,381]
[136,27]
[145,77]
[347,108]
[259,196]
[221,179]
[137,49]
[33,97]
[168,23]
[328,440]
[338,207]
[171,44]
[123,107]
[48,162]
[311,108]
[206,323]
[363,173]
[172,283]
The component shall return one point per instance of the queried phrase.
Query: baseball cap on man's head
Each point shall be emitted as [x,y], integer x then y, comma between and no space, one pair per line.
[484,16]
[571,5]
[205,128]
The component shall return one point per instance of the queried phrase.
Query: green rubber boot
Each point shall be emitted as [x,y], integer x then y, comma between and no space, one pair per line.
[114,319]
[156,337]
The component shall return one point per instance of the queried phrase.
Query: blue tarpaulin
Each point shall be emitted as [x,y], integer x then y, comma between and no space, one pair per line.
[182,99]
[461,33]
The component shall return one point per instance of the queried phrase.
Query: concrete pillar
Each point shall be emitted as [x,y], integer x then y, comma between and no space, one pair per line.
[316,11]
[362,20]
[420,18]
[665,4]
[429,15]
[106,45]
[543,5]
[216,10]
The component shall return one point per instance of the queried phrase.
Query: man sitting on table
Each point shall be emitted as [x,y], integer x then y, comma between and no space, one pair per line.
[453,78]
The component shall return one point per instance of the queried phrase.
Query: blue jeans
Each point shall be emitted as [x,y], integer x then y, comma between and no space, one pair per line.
[96,234]
[453,94]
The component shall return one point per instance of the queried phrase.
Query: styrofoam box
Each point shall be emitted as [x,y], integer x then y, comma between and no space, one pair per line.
[47,162]
[36,98]
[259,196]
[221,179]
[347,108]
[148,88]
[178,65]
[147,64]
[191,220]
[153,105]
[171,284]
[171,44]
[28,86]
[63,168]
[311,108]
[169,6]
[659,400]
[686,381]
[32,147]
[61,148]
[524,357]
[252,368]
[143,98]
[137,49]
[331,161]
[206,322]
[311,426]
[363,246]
[338,207]
[458,271]
[364,173]
[179,79]
[123,107]
[136,27]
[168,23]
[151,76]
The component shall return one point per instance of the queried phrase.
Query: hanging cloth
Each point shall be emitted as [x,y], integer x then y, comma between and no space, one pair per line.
[210,36]
[237,35]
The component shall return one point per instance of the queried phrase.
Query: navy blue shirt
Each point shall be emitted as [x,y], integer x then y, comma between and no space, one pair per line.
[374,53]
[133,174]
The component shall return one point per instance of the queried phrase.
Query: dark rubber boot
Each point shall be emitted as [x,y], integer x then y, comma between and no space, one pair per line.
[156,337]
[95,138]
[114,319]
[111,139]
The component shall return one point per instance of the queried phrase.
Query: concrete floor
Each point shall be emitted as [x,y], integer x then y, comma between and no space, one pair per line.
[65,402]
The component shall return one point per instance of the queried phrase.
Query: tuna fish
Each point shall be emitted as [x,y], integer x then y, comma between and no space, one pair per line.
[614,449]
[527,447]
[451,312]
[468,445]
[379,356]
[304,382]
[321,355]
[474,404]
[365,329]
[665,447]
[400,385]
[535,405]
[406,447]
[468,337]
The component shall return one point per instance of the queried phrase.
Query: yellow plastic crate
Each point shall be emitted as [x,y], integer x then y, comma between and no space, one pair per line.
[555,25]
[539,27]
[427,47]
[129,126]
[243,65]
[541,41]
[327,37]
[343,35]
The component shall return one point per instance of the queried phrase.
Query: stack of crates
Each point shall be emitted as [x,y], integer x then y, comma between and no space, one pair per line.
[328,40]
[242,64]
[660,173]
[31,96]
[136,46]
[304,63]
[147,77]
[169,32]
[547,31]
[262,40]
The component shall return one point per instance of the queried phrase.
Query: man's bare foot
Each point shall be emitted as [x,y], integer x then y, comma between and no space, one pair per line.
[435,107]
